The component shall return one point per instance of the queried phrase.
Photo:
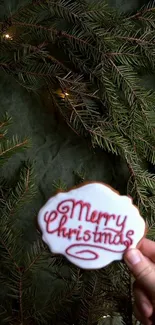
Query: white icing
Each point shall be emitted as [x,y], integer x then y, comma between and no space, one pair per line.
[103,200]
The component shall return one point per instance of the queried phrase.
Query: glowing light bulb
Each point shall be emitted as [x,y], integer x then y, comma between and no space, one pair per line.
[66,94]
[7,36]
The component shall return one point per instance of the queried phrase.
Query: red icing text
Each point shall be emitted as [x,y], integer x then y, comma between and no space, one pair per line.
[108,230]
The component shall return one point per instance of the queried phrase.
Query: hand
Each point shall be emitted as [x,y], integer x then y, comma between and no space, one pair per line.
[141,263]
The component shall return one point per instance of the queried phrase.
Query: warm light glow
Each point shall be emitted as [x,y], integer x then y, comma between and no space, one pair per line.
[7,36]
[66,94]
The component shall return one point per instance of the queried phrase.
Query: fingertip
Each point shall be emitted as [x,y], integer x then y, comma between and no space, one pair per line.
[132,257]
[147,309]
[147,247]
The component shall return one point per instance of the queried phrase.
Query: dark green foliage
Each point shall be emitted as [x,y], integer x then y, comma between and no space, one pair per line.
[38,287]
[34,284]
[9,147]
[89,59]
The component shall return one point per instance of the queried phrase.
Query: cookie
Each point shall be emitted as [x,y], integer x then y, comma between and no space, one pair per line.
[91,225]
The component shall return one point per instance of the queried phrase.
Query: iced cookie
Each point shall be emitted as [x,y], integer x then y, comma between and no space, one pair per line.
[92,225]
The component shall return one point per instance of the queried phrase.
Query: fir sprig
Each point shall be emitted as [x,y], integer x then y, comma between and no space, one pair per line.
[23,192]
[23,265]
[94,82]
[9,147]
[90,58]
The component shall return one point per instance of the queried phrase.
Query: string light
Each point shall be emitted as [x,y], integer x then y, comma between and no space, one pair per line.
[62,94]
[7,36]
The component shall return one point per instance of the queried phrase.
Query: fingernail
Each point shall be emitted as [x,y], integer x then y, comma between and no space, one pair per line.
[133,256]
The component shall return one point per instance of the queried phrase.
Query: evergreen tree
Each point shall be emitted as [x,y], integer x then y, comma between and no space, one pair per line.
[89,59]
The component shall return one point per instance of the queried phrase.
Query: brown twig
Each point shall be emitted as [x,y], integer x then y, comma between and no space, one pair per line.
[147,19]
[34,73]
[31,264]
[4,65]
[133,39]
[12,148]
[3,124]
[122,53]
[140,13]
[37,49]
[50,30]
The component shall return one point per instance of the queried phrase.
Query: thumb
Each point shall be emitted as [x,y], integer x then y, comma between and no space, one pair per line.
[143,270]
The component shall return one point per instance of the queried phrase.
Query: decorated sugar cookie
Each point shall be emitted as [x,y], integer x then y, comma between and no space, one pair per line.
[92,225]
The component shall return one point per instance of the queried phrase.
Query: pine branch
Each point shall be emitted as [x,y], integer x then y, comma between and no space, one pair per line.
[139,14]
[59,185]
[35,253]
[23,192]
[5,122]
[134,39]
[89,57]
[54,31]
[128,82]
[68,10]
[8,148]
[10,248]
[89,282]
[9,253]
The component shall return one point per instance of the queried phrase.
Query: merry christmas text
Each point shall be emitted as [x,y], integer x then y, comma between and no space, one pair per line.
[108,228]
